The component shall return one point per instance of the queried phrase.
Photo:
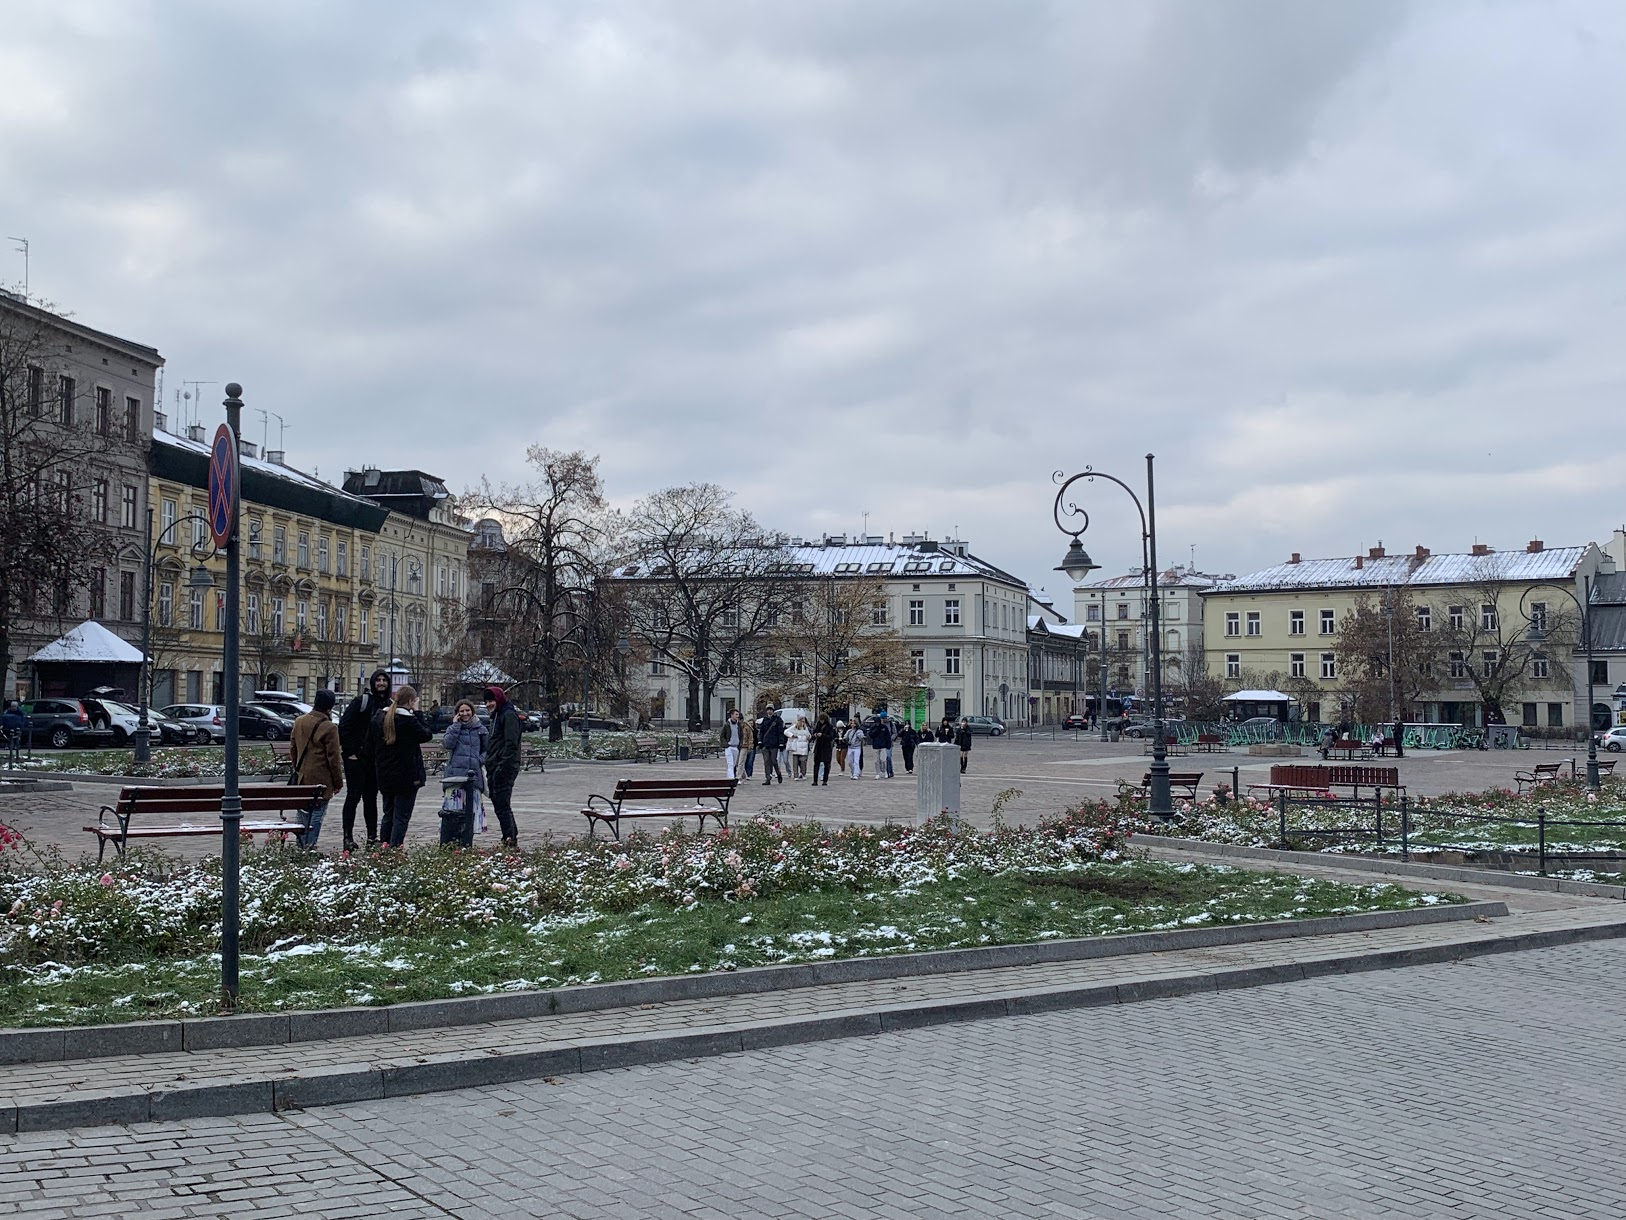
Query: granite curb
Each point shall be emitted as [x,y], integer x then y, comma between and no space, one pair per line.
[336,1085]
[46,1045]
[1399,868]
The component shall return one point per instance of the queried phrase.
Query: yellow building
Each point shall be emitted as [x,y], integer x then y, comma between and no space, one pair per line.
[307,549]
[1283,623]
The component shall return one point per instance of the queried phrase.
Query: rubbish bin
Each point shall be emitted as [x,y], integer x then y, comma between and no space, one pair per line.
[683,751]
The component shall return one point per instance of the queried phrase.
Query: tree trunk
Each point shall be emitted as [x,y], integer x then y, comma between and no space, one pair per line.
[699,712]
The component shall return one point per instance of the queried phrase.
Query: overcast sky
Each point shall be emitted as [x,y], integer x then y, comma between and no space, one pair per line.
[1353,270]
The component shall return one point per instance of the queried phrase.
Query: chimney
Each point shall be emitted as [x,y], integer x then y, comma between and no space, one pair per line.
[1422,553]
[276,456]
[194,432]
[1374,552]
[1535,546]
[246,448]
[1481,549]
[1294,558]
[1360,562]
[160,422]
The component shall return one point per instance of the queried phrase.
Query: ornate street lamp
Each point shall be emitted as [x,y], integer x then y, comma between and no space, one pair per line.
[199,579]
[1078,565]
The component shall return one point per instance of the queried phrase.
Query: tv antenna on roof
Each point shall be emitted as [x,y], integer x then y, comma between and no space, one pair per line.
[22,248]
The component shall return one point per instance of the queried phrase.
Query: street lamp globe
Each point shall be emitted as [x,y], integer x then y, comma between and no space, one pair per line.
[1077,563]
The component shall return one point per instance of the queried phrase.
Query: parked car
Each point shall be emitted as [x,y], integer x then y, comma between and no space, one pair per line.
[171,732]
[288,705]
[126,722]
[263,720]
[1144,728]
[208,719]
[991,725]
[595,724]
[1614,740]
[65,722]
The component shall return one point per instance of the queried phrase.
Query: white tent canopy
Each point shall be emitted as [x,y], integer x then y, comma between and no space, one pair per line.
[486,672]
[1258,696]
[89,642]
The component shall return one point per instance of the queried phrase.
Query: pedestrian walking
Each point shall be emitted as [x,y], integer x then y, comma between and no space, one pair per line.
[736,739]
[908,739]
[396,738]
[313,744]
[13,724]
[465,743]
[880,741]
[855,749]
[771,740]
[841,745]
[962,738]
[798,741]
[360,772]
[824,744]
[945,731]
[502,762]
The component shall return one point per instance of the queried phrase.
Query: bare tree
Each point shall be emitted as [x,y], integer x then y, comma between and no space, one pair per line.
[50,535]
[834,647]
[555,528]
[1376,633]
[704,585]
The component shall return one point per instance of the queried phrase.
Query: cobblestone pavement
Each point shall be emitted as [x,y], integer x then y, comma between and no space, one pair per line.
[1049,774]
[1485,1088]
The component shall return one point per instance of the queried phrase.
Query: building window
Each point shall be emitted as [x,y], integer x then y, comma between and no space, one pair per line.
[341,560]
[917,612]
[1295,665]
[1527,715]
[1092,614]
[366,558]
[166,604]
[1539,670]
[132,419]
[220,612]
[1173,612]
[1329,665]
[1425,619]
[341,623]
[166,519]
[200,530]
[302,611]
[279,620]
[65,394]
[1487,664]
[365,625]
[1233,623]
[1233,665]
[878,614]
[254,535]
[1329,622]
[1123,641]
[98,501]
[1295,622]
[917,660]
[251,616]
[321,620]
[127,596]
[1459,667]
[951,612]
[104,410]
[1453,618]
[194,615]
[1487,617]
[36,390]
[279,544]
[1538,616]
[796,665]
[1600,673]
[127,507]
[321,554]
[302,550]
[951,660]
[98,593]
[1123,609]
[1555,715]
[1253,622]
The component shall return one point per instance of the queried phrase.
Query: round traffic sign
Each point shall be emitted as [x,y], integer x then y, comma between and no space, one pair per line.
[223,486]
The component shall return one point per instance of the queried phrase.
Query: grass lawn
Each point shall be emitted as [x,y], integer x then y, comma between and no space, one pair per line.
[658,938]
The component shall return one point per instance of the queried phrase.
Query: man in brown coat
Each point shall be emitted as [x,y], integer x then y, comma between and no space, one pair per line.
[317,759]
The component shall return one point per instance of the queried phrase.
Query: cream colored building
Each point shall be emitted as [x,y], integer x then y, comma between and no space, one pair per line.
[1285,620]
[1118,605]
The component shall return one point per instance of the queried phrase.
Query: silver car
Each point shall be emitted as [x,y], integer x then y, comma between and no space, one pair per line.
[211,718]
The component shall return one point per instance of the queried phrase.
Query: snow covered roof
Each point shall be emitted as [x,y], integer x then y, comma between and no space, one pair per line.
[1383,571]
[883,560]
[89,641]
[1173,578]
[1258,696]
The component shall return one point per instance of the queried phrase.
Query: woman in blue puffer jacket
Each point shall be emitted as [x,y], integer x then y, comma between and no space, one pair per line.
[465,743]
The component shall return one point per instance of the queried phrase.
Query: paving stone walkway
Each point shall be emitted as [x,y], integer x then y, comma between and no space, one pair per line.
[1476,1089]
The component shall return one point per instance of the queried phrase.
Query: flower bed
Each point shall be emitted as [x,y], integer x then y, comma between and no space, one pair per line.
[79,943]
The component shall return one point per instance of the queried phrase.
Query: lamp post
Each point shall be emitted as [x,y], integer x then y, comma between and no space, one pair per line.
[1101,697]
[1077,565]
[198,579]
[1538,632]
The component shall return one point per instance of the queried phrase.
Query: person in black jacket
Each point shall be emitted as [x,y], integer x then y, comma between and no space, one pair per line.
[962,738]
[908,739]
[396,739]
[502,762]
[824,744]
[360,778]
[771,740]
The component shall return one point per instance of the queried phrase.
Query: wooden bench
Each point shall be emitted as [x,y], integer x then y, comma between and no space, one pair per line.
[1211,743]
[648,748]
[533,756]
[683,797]
[282,757]
[434,759]
[703,745]
[258,799]
[1606,766]
[1350,748]
[1181,783]
[1541,773]
[1311,780]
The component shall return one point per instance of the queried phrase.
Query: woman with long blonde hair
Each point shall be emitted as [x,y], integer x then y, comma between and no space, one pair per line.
[397,737]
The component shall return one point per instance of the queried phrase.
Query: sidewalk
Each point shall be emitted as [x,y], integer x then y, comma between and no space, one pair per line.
[126,1088]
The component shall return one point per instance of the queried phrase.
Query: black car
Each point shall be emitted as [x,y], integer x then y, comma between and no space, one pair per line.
[261,720]
[595,724]
[1076,721]
[65,722]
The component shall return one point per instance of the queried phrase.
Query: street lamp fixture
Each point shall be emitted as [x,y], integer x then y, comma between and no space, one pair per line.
[199,578]
[1077,564]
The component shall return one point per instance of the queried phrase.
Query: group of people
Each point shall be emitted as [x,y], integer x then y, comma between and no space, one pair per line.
[375,755]
[825,742]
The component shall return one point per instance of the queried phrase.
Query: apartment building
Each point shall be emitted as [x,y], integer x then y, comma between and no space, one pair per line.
[1284,622]
[1118,607]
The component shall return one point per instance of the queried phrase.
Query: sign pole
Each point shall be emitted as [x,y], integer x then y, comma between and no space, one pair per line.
[225,501]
